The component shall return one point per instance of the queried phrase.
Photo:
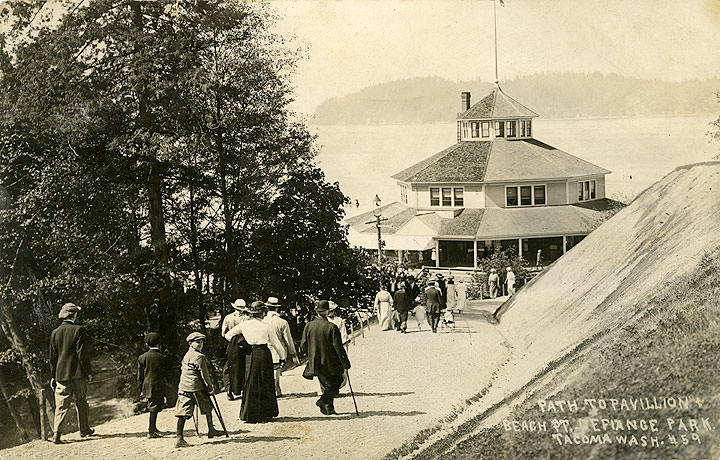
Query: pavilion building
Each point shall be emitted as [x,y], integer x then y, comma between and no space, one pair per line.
[497,187]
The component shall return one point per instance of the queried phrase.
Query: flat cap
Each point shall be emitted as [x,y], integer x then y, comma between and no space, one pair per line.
[67,310]
[195,337]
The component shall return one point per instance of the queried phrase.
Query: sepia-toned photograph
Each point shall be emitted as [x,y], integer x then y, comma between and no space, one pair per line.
[359,229]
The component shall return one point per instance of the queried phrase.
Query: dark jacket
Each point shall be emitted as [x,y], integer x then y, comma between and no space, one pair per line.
[326,354]
[402,303]
[153,373]
[443,292]
[68,353]
[434,299]
[412,291]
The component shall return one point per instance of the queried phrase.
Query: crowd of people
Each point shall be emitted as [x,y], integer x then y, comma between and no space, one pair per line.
[259,344]
[439,298]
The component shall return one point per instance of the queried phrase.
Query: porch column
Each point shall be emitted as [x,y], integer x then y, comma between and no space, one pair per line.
[520,247]
[564,244]
[475,254]
[437,253]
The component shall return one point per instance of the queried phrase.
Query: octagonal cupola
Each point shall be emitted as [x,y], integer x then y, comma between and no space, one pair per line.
[496,116]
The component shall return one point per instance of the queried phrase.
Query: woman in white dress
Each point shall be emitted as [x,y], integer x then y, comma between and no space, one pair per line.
[383,309]
[461,291]
[451,294]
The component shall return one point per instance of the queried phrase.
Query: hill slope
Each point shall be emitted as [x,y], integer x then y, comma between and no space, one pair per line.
[630,313]
[554,95]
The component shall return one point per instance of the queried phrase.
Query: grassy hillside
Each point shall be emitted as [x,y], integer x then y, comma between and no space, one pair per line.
[553,95]
[629,313]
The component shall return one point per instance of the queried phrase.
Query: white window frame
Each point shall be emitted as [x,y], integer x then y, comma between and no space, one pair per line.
[508,124]
[592,190]
[475,129]
[440,194]
[499,125]
[404,193]
[528,128]
[532,195]
[483,126]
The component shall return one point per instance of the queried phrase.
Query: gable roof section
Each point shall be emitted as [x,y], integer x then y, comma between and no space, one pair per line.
[500,223]
[397,215]
[497,104]
[531,159]
[465,224]
[462,162]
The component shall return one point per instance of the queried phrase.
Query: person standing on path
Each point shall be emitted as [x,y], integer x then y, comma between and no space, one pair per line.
[434,305]
[383,309]
[259,403]
[442,287]
[194,388]
[234,369]
[327,358]
[451,294]
[337,320]
[70,370]
[153,373]
[402,306]
[493,283]
[281,329]
[510,280]
[461,290]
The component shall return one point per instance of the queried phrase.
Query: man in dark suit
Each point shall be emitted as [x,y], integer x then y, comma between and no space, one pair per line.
[434,304]
[412,290]
[326,356]
[70,370]
[402,305]
[153,373]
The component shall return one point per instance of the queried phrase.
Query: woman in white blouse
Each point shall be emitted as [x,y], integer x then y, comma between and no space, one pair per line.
[259,402]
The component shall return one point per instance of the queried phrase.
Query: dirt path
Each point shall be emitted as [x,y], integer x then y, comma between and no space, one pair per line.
[403,384]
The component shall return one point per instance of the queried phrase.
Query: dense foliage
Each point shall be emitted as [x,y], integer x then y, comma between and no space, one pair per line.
[499,260]
[153,172]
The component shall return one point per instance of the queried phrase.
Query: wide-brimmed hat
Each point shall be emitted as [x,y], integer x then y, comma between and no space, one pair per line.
[451,277]
[239,305]
[492,270]
[272,302]
[256,307]
[152,339]
[67,310]
[509,269]
[332,305]
[322,306]
[439,276]
[431,283]
[195,337]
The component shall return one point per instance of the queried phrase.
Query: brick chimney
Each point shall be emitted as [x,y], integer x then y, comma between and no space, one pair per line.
[464,101]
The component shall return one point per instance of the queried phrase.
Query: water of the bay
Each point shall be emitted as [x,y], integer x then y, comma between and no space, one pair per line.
[638,150]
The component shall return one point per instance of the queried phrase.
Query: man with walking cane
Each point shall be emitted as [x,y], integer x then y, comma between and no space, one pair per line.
[195,388]
[327,358]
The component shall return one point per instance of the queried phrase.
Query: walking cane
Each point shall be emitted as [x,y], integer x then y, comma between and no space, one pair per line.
[195,420]
[352,393]
[216,406]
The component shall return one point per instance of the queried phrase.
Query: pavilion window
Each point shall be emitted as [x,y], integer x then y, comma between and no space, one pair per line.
[526,196]
[522,128]
[403,194]
[511,128]
[446,196]
[434,196]
[475,128]
[465,129]
[499,129]
[458,198]
[587,190]
[539,194]
[511,196]
[528,131]
[485,129]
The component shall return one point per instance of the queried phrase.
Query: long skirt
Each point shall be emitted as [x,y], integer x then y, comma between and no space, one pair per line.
[237,351]
[385,316]
[259,402]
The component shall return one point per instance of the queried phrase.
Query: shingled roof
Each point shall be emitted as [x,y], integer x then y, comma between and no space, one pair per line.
[497,104]
[497,161]
[463,162]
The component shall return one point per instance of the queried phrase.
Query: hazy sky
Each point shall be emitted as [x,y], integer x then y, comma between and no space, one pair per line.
[356,43]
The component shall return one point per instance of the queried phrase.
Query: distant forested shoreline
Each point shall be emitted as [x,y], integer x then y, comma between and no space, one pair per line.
[551,95]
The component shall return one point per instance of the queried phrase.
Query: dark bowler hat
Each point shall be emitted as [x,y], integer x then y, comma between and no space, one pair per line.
[322,306]
[152,339]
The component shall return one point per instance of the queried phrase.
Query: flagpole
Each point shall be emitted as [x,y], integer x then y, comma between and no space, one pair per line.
[497,80]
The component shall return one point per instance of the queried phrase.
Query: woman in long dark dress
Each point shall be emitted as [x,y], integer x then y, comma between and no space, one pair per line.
[259,402]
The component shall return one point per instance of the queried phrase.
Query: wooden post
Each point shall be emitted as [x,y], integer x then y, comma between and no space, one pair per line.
[564,244]
[475,254]
[43,409]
